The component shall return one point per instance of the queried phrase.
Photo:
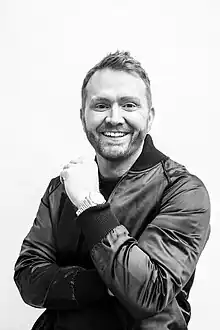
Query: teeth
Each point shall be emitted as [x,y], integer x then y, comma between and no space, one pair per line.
[114,134]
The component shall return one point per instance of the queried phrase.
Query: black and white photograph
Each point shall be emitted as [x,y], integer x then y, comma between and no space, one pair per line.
[109,164]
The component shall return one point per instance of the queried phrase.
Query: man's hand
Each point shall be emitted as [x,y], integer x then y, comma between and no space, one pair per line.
[80,177]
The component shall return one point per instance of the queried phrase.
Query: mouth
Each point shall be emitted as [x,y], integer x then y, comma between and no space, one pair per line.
[114,134]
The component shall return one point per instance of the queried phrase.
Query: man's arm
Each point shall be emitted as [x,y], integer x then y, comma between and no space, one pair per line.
[41,282]
[147,274]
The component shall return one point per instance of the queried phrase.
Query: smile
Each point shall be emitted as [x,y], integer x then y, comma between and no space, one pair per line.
[114,134]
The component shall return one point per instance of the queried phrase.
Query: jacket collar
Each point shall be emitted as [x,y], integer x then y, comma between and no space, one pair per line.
[149,156]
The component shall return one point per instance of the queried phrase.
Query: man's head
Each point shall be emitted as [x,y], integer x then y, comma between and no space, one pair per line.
[118,61]
[117,108]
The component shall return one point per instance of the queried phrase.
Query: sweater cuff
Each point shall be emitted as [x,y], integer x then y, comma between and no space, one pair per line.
[96,222]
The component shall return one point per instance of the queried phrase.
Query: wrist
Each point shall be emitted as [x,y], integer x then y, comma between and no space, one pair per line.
[91,199]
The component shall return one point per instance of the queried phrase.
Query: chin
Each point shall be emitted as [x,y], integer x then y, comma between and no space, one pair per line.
[114,155]
[117,152]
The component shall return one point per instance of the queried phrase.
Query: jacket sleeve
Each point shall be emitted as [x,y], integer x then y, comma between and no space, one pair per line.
[41,282]
[146,274]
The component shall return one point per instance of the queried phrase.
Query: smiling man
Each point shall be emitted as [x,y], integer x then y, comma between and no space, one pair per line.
[116,240]
[116,115]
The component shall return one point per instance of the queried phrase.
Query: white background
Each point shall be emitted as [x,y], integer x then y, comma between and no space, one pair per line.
[46,48]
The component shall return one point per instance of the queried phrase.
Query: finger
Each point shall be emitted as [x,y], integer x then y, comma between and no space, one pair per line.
[61,179]
[63,175]
[77,160]
[66,166]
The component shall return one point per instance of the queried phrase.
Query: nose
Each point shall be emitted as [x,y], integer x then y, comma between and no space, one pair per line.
[115,115]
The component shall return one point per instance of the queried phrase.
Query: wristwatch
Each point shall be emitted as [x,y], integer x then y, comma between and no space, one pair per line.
[93,199]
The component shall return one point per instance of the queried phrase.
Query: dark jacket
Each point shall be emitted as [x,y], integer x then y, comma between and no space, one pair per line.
[143,245]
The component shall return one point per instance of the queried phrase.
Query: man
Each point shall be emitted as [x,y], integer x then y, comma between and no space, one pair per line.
[116,241]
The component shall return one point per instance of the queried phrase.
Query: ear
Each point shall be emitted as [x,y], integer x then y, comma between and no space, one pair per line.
[151,116]
[82,117]
[81,114]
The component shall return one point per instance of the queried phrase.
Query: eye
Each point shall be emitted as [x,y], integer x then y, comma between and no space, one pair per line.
[101,106]
[130,106]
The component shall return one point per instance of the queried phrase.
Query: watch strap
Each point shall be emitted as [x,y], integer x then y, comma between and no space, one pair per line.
[86,203]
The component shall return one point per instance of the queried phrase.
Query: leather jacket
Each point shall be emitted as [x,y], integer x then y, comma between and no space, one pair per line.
[127,264]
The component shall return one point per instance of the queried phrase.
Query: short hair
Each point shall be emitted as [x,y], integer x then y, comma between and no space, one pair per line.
[119,61]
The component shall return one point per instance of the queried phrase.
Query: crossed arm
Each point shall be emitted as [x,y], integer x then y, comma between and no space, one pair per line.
[144,275]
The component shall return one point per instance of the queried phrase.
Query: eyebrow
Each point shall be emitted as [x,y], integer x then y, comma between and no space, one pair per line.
[129,99]
[119,99]
[100,99]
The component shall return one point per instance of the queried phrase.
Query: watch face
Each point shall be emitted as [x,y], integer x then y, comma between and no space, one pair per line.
[97,198]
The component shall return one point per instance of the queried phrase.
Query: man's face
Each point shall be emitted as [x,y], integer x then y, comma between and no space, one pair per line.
[116,117]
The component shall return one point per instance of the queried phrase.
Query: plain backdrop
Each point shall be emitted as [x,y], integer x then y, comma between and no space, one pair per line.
[46,48]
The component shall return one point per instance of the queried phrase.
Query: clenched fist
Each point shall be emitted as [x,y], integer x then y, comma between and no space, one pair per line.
[80,177]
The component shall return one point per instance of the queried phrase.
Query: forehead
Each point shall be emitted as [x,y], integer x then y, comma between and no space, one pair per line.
[112,84]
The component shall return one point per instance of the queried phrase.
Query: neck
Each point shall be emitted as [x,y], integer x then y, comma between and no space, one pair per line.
[115,169]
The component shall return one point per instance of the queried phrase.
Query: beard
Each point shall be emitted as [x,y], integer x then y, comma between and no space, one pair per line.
[115,151]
